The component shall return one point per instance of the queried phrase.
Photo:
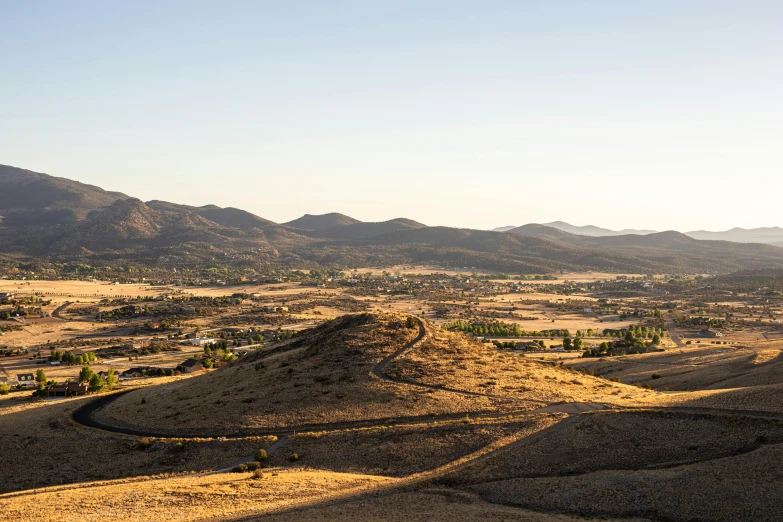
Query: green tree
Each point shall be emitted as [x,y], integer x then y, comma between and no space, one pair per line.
[4,388]
[567,343]
[40,377]
[578,343]
[96,383]
[85,374]
[656,340]
[111,379]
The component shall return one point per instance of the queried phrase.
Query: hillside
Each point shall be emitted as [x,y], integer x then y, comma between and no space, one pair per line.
[322,221]
[32,199]
[228,217]
[337,373]
[367,230]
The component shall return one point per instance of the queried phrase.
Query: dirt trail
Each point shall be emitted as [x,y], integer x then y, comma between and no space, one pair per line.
[378,370]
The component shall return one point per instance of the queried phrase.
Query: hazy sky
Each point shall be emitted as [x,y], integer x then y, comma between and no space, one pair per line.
[655,114]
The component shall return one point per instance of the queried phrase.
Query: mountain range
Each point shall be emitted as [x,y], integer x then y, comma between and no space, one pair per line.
[59,220]
[768,235]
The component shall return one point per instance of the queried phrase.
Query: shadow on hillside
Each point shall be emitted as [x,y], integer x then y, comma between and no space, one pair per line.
[42,447]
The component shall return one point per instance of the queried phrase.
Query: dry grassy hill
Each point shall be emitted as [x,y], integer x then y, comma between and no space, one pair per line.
[701,368]
[331,375]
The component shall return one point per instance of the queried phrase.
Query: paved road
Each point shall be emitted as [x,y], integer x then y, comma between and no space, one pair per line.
[59,310]
[84,414]
[673,332]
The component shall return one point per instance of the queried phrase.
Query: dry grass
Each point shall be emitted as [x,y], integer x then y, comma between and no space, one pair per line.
[698,368]
[739,488]
[324,378]
[184,497]
[404,450]
[459,362]
[39,446]
[622,441]
[425,505]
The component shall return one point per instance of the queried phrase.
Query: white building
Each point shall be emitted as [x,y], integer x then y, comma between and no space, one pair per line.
[201,341]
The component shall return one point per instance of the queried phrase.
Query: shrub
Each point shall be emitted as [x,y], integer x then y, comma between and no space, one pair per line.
[252,466]
[4,388]
[257,474]
[239,469]
[293,458]
[178,447]
[655,376]
[144,443]
[261,455]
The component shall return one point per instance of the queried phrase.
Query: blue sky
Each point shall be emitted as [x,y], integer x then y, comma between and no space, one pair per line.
[665,115]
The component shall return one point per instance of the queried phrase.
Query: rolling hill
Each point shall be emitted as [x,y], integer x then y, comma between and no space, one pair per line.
[227,217]
[365,367]
[366,230]
[767,235]
[586,230]
[322,221]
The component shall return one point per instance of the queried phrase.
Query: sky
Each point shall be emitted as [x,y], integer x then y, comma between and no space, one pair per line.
[645,114]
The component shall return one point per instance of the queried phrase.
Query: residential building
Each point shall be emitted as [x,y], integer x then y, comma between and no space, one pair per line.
[190,365]
[68,389]
[25,379]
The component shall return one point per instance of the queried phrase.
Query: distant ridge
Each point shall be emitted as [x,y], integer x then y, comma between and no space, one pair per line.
[771,235]
[321,222]
[47,219]
[365,230]
[586,230]
[590,230]
[228,217]
[767,235]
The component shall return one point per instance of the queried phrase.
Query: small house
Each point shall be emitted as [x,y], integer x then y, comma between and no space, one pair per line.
[707,332]
[526,346]
[132,373]
[25,379]
[190,365]
[68,389]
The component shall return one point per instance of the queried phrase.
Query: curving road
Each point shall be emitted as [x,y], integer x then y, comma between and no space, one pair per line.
[84,415]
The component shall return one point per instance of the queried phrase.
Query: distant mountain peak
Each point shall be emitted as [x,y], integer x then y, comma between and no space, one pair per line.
[316,222]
